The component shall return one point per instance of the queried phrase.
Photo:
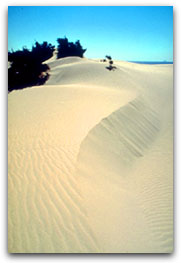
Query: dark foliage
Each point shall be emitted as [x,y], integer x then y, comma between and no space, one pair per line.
[68,49]
[43,51]
[110,67]
[108,57]
[26,66]
[103,60]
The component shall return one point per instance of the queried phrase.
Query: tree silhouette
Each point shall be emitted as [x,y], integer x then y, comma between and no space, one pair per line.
[26,66]
[43,51]
[68,49]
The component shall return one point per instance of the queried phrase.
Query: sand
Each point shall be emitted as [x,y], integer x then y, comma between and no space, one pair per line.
[90,160]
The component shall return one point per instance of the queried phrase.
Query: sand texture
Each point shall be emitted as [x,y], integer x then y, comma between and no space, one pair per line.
[90,160]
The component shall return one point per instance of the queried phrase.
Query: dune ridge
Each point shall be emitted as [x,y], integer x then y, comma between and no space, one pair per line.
[126,138]
[90,160]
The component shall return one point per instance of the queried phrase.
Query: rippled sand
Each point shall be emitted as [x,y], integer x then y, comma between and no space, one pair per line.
[91,160]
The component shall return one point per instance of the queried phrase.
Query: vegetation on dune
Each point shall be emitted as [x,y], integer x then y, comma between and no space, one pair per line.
[43,51]
[26,66]
[27,69]
[68,49]
[110,67]
[103,60]
[109,59]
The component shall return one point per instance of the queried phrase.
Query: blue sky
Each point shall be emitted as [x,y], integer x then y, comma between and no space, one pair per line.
[133,33]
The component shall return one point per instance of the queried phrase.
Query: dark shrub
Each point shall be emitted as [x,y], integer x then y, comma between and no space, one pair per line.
[108,57]
[68,49]
[110,67]
[26,66]
[43,51]
[103,60]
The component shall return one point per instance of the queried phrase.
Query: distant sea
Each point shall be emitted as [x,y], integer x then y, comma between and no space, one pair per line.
[151,62]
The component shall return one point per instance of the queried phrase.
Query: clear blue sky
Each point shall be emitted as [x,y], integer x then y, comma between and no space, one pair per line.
[133,33]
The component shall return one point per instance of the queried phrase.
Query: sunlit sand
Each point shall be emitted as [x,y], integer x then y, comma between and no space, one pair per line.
[91,160]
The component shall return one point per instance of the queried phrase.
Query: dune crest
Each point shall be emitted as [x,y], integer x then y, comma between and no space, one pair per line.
[90,160]
[108,157]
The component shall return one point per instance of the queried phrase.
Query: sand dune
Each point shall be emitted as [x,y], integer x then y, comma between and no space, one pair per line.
[90,160]
[138,186]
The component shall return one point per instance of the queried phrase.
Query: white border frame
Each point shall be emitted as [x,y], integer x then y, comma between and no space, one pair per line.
[4,256]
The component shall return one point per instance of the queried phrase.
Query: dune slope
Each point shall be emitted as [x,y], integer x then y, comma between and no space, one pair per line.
[90,160]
